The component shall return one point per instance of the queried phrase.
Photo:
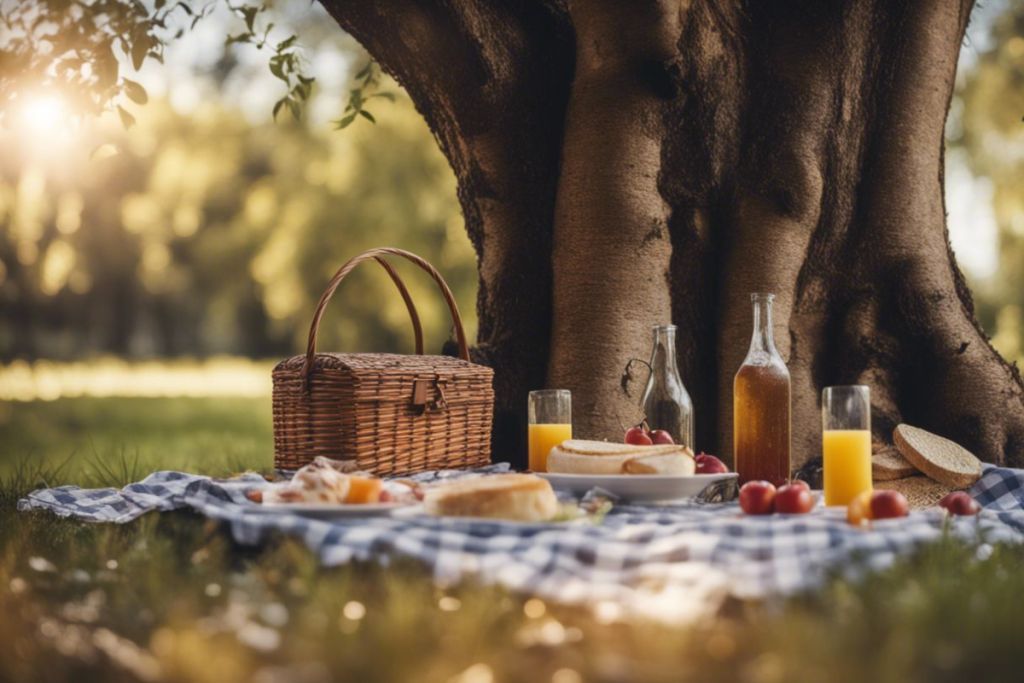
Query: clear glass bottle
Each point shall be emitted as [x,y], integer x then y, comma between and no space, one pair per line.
[665,401]
[761,404]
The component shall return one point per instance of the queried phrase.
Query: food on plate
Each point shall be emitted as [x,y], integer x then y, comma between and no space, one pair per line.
[872,505]
[678,464]
[793,499]
[579,456]
[638,436]
[709,464]
[333,482]
[757,497]
[887,464]
[960,503]
[888,504]
[858,512]
[521,497]
[943,460]
[660,436]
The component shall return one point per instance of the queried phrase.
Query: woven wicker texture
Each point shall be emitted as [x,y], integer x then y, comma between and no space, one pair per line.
[391,414]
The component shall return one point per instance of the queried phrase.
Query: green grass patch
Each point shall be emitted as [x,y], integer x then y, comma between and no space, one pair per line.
[172,598]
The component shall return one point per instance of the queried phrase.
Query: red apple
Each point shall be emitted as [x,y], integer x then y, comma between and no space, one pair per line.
[960,503]
[888,504]
[637,436]
[660,436]
[793,499]
[757,497]
[801,483]
[709,464]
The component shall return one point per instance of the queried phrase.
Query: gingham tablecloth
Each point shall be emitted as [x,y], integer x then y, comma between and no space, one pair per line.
[666,562]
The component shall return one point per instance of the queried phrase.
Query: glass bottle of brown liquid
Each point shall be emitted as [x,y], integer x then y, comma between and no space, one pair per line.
[761,404]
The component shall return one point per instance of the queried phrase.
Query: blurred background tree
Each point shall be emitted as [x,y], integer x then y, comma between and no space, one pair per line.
[986,133]
[206,227]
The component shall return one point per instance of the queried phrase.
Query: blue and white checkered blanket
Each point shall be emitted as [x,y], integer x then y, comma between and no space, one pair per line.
[667,562]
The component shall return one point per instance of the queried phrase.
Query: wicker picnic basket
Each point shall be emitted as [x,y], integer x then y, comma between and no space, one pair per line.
[391,414]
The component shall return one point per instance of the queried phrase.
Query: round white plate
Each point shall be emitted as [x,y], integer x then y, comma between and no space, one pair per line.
[331,511]
[638,488]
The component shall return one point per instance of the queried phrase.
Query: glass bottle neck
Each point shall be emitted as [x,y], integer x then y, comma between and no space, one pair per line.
[762,339]
[663,355]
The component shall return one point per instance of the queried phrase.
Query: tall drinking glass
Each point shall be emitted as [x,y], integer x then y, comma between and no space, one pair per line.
[550,424]
[846,442]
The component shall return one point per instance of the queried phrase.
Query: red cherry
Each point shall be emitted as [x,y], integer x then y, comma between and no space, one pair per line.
[637,436]
[660,436]
[709,464]
[960,503]
[794,500]
[757,497]
[888,504]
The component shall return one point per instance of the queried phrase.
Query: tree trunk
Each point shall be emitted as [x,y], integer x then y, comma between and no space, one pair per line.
[624,164]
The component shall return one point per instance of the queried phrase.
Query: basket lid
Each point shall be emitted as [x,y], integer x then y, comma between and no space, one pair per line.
[380,361]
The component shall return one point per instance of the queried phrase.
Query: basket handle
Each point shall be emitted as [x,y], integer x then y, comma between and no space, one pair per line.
[377,255]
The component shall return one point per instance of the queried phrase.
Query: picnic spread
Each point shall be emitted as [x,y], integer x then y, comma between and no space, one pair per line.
[382,457]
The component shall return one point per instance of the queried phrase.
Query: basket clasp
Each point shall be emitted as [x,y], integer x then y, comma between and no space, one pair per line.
[422,401]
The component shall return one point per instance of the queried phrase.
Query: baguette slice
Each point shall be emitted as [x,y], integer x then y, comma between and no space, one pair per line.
[941,459]
[679,464]
[577,456]
[887,464]
[521,497]
[607,448]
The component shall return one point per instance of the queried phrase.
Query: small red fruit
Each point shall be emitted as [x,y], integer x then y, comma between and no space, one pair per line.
[960,503]
[793,499]
[888,504]
[858,512]
[660,436]
[637,436]
[757,497]
[709,464]
[801,483]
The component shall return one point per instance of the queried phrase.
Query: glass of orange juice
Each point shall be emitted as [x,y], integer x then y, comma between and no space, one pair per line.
[550,424]
[846,442]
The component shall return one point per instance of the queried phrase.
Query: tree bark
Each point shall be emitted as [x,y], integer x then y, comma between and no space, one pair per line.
[621,165]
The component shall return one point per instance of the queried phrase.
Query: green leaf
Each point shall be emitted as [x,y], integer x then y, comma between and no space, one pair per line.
[182,5]
[364,71]
[127,120]
[367,115]
[140,48]
[249,14]
[389,96]
[278,105]
[276,68]
[344,122]
[135,92]
[286,43]
[293,107]
[240,38]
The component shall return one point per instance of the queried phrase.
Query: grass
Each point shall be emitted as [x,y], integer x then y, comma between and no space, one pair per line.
[171,597]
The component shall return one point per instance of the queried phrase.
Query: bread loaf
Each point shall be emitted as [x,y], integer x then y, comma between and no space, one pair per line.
[522,497]
[943,460]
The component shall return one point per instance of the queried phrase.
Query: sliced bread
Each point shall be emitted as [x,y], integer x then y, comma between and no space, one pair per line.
[679,464]
[523,497]
[939,458]
[888,464]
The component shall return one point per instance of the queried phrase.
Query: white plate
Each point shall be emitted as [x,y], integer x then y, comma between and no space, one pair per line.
[638,488]
[331,511]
